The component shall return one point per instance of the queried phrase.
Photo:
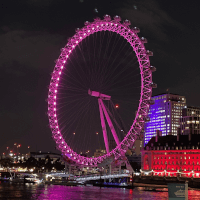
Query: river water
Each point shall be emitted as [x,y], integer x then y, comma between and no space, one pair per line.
[53,192]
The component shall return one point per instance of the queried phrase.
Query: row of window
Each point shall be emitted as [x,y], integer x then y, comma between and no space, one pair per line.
[177,168]
[176,163]
[184,157]
[171,148]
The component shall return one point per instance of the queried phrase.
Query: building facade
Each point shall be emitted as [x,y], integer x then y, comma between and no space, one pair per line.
[164,115]
[172,156]
[189,125]
[39,155]
[191,111]
[99,152]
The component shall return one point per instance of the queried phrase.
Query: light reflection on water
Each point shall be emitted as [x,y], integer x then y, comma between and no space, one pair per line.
[53,192]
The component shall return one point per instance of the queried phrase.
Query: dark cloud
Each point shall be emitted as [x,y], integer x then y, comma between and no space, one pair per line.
[40,3]
[33,32]
[150,18]
[172,40]
[33,49]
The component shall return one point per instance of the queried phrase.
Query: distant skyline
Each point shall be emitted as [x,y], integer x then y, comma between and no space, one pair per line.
[32,32]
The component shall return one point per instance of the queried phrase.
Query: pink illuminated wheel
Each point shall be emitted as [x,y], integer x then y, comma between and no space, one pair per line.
[85,74]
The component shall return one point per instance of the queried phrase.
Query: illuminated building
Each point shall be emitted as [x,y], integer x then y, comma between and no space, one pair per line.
[164,115]
[191,111]
[173,156]
[189,123]
[39,155]
[99,152]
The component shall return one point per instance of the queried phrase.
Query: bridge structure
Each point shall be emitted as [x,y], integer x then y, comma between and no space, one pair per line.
[82,179]
[98,177]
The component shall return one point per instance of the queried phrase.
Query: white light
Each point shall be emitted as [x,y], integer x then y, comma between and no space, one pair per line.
[70,51]
[76,42]
[58,79]
[63,62]
[67,56]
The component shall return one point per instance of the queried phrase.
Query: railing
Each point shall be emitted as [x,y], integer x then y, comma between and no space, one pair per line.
[97,177]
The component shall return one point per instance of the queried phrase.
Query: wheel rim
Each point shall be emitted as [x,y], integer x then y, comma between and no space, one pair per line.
[146,90]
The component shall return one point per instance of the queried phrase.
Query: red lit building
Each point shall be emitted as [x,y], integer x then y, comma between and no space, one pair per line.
[172,156]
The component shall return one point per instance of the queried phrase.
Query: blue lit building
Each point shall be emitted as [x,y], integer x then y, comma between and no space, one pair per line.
[164,115]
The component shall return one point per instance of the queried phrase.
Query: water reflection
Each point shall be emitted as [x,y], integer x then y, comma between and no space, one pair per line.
[54,192]
[94,193]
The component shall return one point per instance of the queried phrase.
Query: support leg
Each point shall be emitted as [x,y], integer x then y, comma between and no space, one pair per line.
[109,122]
[103,127]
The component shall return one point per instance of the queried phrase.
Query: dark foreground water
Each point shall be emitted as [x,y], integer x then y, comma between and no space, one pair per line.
[53,192]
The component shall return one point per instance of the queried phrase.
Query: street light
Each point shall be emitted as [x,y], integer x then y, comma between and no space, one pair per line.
[18,146]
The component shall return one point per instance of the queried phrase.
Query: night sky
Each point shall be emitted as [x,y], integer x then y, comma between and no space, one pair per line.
[32,32]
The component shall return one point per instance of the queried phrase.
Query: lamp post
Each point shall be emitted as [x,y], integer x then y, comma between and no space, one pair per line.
[18,146]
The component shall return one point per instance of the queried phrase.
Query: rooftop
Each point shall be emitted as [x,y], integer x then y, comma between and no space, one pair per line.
[171,141]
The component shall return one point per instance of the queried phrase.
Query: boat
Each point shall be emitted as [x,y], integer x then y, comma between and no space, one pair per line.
[110,184]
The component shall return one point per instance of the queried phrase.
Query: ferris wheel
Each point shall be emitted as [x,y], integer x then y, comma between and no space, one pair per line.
[103,67]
